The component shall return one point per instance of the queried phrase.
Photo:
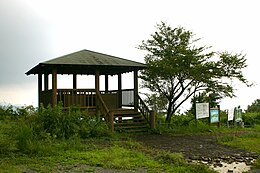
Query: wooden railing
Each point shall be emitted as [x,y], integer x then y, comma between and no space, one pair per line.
[146,112]
[143,108]
[85,98]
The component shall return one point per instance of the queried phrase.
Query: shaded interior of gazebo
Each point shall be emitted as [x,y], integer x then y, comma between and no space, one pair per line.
[87,62]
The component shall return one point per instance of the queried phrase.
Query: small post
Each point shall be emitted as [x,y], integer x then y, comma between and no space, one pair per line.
[152,119]
[218,106]
[195,114]
[111,121]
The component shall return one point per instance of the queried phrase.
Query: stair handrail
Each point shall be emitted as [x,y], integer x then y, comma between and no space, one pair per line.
[102,106]
[148,114]
[144,109]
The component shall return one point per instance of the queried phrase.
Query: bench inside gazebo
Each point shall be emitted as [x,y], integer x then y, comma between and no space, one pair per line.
[123,109]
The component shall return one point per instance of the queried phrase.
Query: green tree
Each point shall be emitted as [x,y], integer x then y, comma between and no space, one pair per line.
[254,107]
[177,68]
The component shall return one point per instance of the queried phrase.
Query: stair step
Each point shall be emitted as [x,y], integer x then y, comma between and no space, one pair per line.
[137,118]
[124,111]
[132,128]
[131,124]
[129,120]
[137,130]
[127,114]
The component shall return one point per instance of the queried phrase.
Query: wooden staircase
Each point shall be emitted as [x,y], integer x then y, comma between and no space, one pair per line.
[129,120]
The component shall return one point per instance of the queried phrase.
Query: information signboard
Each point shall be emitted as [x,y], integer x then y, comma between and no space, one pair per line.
[231,113]
[202,110]
[214,115]
[238,114]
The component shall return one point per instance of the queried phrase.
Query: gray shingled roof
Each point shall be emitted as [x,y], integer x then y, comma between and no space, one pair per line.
[86,62]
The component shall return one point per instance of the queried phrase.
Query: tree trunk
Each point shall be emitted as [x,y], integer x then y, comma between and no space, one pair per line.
[168,118]
[169,113]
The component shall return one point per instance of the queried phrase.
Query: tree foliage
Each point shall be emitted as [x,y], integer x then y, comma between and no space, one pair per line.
[177,68]
[254,107]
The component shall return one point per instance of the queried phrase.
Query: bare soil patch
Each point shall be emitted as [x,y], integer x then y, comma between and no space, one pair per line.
[198,147]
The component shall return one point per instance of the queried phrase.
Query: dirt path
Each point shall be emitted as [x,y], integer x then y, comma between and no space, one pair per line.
[198,147]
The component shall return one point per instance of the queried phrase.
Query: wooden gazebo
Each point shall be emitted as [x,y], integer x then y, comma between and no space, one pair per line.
[109,103]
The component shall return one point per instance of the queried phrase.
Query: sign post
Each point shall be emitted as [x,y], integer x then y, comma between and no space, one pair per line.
[238,116]
[202,111]
[230,113]
[215,116]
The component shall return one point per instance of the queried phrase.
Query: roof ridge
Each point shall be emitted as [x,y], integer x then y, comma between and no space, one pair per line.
[109,55]
[63,56]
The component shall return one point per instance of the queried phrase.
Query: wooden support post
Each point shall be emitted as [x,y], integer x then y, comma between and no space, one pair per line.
[119,90]
[46,82]
[74,81]
[97,89]
[136,90]
[39,89]
[106,83]
[152,120]
[74,92]
[97,81]
[111,122]
[54,87]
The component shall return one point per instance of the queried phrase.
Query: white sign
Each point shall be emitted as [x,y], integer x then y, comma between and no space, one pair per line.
[202,110]
[231,113]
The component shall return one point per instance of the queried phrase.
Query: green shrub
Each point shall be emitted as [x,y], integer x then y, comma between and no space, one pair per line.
[58,123]
[182,120]
[251,118]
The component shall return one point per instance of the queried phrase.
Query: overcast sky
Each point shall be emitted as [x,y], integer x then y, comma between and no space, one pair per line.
[33,31]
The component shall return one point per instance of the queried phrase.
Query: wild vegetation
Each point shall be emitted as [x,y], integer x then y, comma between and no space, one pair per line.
[53,140]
